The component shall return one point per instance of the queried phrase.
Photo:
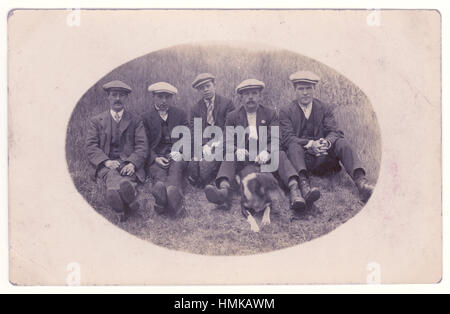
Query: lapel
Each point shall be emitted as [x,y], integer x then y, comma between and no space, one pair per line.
[171,119]
[156,123]
[317,115]
[216,108]
[259,117]
[299,117]
[125,122]
[243,117]
[203,110]
[105,121]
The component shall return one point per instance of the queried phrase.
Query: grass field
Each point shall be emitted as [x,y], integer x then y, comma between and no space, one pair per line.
[202,229]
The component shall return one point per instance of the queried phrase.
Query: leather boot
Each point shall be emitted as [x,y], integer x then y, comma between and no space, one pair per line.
[296,200]
[115,201]
[365,189]
[218,196]
[127,192]
[309,194]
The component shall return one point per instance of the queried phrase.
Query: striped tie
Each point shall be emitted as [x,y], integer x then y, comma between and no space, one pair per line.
[210,115]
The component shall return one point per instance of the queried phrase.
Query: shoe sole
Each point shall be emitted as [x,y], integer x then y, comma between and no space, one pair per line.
[115,201]
[365,195]
[212,195]
[298,205]
[127,192]
[160,194]
[175,199]
[313,196]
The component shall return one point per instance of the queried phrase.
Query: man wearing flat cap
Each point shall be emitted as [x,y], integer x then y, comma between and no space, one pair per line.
[213,110]
[117,147]
[164,166]
[310,134]
[252,115]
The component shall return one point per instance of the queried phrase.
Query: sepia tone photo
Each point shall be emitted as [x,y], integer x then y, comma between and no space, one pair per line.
[256,141]
[181,206]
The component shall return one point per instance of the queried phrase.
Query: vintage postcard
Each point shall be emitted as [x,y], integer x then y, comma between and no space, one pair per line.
[193,147]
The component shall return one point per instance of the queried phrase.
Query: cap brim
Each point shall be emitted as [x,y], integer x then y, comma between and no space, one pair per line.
[241,89]
[200,83]
[163,91]
[121,89]
[305,81]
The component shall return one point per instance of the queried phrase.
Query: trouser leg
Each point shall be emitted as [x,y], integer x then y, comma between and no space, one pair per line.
[344,152]
[157,173]
[296,154]
[208,170]
[159,191]
[194,172]
[175,173]
[286,169]
[227,172]
[174,185]
[220,192]
[120,190]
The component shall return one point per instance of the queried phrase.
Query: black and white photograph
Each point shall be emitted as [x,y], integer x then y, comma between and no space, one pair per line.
[329,149]
[189,147]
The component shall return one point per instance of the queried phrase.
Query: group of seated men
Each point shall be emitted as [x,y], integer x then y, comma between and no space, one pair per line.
[125,149]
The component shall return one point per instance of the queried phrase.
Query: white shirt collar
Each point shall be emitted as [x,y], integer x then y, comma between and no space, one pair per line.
[306,109]
[113,114]
[163,114]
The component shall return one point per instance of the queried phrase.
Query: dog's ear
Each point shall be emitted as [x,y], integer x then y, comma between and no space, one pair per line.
[267,182]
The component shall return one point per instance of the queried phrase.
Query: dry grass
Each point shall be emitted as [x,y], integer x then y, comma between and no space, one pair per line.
[202,229]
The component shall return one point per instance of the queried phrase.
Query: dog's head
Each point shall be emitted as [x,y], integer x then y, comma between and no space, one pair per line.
[255,188]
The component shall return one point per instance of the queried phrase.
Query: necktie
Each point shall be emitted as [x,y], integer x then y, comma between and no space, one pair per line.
[117,117]
[210,113]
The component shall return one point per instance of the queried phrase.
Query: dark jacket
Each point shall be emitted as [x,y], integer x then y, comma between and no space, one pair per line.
[152,124]
[265,116]
[292,121]
[222,107]
[133,141]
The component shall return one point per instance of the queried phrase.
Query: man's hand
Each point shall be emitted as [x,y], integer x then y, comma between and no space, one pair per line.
[241,153]
[176,156]
[263,158]
[318,148]
[128,170]
[112,164]
[162,162]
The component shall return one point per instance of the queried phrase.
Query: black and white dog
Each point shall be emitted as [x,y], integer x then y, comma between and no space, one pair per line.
[255,187]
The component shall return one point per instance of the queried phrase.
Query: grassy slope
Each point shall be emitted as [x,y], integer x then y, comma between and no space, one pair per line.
[202,229]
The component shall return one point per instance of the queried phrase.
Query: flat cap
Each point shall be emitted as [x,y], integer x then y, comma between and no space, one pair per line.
[117,85]
[162,87]
[250,84]
[304,77]
[202,79]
